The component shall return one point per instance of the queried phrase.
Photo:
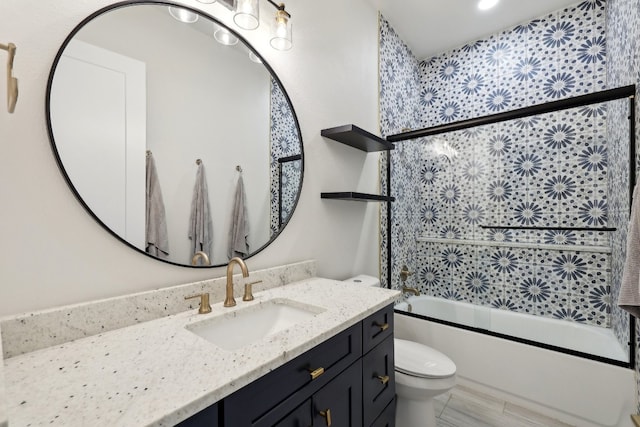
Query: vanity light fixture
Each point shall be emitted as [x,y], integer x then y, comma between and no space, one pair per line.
[224,36]
[247,14]
[487,4]
[183,15]
[247,17]
[281,30]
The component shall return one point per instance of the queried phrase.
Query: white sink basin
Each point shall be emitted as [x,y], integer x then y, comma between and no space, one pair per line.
[249,325]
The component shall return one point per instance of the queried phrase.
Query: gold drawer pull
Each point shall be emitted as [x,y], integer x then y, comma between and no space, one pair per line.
[383,379]
[327,415]
[316,373]
[382,327]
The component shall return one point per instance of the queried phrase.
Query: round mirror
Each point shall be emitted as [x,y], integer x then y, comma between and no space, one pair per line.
[175,142]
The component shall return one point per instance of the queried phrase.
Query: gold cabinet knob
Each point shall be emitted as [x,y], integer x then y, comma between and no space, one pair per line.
[327,416]
[382,326]
[315,373]
[384,379]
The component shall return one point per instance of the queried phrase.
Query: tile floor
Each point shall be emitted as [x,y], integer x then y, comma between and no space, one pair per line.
[464,407]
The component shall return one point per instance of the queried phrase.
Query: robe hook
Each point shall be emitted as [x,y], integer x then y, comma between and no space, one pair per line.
[12,82]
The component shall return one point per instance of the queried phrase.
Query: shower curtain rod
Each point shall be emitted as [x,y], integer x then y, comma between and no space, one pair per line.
[549,107]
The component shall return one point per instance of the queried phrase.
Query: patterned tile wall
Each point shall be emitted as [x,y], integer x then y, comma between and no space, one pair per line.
[285,142]
[623,68]
[559,55]
[399,109]
[550,169]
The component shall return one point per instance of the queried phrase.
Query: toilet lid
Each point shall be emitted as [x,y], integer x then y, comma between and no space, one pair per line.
[418,360]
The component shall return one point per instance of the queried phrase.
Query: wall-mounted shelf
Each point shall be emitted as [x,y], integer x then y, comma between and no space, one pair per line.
[358,138]
[358,197]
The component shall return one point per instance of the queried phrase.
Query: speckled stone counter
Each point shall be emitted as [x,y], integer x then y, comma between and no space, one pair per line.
[32,331]
[158,373]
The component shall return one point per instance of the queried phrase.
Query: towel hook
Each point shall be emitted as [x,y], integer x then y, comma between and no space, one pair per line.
[12,82]
[198,161]
[239,168]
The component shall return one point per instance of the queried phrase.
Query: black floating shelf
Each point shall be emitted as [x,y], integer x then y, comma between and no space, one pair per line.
[358,138]
[358,197]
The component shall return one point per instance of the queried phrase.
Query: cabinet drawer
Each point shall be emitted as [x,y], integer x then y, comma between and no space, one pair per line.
[378,380]
[299,417]
[339,403]
[270,398]
[388,416]
[376,328]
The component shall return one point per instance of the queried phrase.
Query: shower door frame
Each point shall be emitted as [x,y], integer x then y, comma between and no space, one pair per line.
[549,107]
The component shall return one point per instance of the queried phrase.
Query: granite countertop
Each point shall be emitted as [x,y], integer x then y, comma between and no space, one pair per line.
[158,373]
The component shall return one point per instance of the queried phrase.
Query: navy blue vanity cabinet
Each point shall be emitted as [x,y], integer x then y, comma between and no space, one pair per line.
[339,403]
[270,399]
[388,416]
[299,417]
[378,380]
[346,381]
[378,367]
[376,328]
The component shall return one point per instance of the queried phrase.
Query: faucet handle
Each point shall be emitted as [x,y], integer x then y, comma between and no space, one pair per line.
[205,307]
[248,295]
[404,273]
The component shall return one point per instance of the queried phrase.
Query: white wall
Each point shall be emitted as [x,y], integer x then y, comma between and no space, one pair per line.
[51,250]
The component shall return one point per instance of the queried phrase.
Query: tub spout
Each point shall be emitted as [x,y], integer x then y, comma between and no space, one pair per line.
[407,289]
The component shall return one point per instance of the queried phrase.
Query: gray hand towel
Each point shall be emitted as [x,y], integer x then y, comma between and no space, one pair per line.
[157,240]
[239,231]
[629,298]
[200,225]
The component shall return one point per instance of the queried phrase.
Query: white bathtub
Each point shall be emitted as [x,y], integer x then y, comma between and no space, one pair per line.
[576,390]
[561,333]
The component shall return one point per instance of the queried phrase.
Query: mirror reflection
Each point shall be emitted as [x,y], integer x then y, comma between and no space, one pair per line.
[174,142]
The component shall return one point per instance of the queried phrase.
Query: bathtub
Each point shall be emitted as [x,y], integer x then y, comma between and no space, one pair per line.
[576,390]
[574,336]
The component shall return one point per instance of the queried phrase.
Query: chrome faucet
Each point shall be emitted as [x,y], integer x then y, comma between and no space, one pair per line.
[198,255]
[229,300]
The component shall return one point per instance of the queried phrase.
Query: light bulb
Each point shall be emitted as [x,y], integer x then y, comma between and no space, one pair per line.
[281,39]
[487,4]
[247,14]
[183,15]
[224,36]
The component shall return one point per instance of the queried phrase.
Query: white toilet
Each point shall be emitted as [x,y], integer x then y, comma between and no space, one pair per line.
[422,373]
